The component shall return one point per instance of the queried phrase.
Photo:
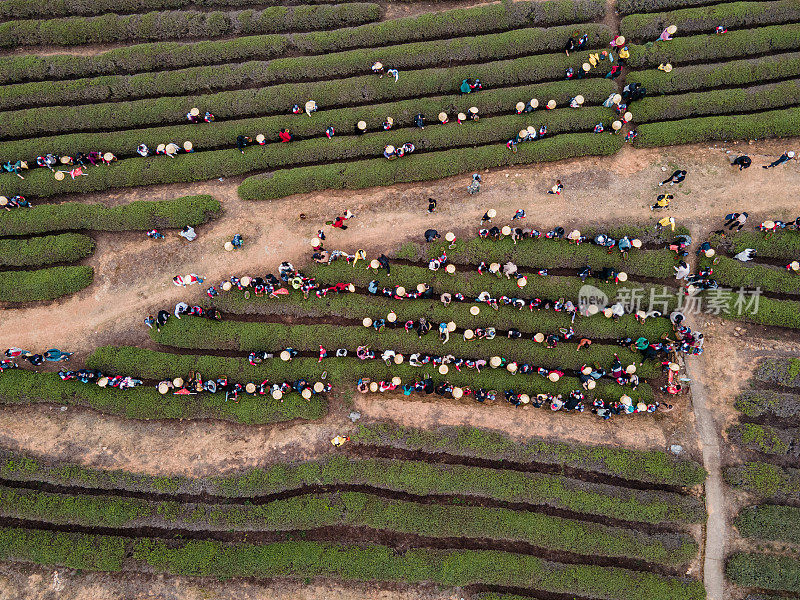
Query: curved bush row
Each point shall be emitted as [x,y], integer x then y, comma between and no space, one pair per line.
[761,403]
[368,173]
[227,163]
[199,333]
[775,123]
[183,24]
[304,560]
[351,509]
[428,26]
[49,249]
[781,371]
[704,48]
[31,9]
[343,371]
[734,15]
[222,134]
[770,522]
[19,386]
[733,73]
[733,273]
[477,49]
[780,244]
[278,100]
[764,571]
[780,313]
[763,438]
[43,284]
[627,7]
[534,254]
[758,98]
[766,480]
[506,317]
[640,465]
[140,216]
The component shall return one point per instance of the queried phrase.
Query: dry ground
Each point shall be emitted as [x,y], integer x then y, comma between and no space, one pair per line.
[133,278]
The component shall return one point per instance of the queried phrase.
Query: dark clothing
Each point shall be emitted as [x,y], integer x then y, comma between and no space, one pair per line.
[676,177]
[783,158]
[431,234]
[742,161]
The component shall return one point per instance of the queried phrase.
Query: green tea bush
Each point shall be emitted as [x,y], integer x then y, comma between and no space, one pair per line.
[770,522]
[517,43]
[735,15]
[763,438]
[775,123]
[764,479]
[781,371]
[735,73]
[627,7]
[45,250]
[761,403]
[764,571]
[43,284]
[24,387]
[758,98]
[736,274]
[781,244]
[368,173]
[182,24]
[140,215]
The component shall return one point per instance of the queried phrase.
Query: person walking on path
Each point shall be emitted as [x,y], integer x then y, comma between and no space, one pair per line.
[785,157]
[676,177]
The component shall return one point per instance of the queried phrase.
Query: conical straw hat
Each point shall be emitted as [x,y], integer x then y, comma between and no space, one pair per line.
[462,117]
[195,112]
[362,125]
[161,147]
[451,326]
[443,369]
[261,138]
[187,145]
[469,334]
[442,116]
[534,103]
[495,361]
[277,394]
[553,377]
[421,287]
[450,236]
[623,276]
[351,288]
[398,359]
[511,367]
[592,309]
[607,312]
[616,99]
[626,400]
[641,407]
[373,387]
[306,393]
[506,230]
[228,246]
[65,160]
[674,367]
[319,386]
[177,382]
[457,393]
[590,384]
[400,291]
[616,125]
[227,286]
[285,355]
[171,148]
[620,41]
[522,281]
[672,29]
[574,234]
[59,175]
[520,106]
[367,322]
[108,157]
[579,99]
[396,380]
[636,243]
[473,110]
[586,370]
[474,310]
[709,253]
[391,317]
[551,104]
[250,388]
[245,281]
[492,213]
[539,337]
[374,263]
[630,369]
[531,129]
[451,268]
[794,265]
[163,388]
[522,133]
[524,398]
[587,67]
[628,115]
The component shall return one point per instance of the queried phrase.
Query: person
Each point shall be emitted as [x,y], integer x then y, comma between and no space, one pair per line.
[665,35]
[241,142]
[520,214]
[721,29]
[599,128]
[785,157]
[557,188]
[444,333]
[666,222]
[676,177]
[419,121]
[154,234]
[285,136]
[475,186]
[735,220]
[393,73]
[570,45]
[311,107]
[377,68]
[237,241]
[743,162]
[330,131]
[143,150]
[431,235]
[681,271]
[746,255]
[388,123]
[208,117]
[465,87]
[662,202]
[56,355]
[339,222]
[188,233]
[583,42]
[431,205]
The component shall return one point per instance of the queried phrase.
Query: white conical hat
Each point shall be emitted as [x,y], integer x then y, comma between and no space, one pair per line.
[522,281]
[534,103]
[389,149]
[574,234]
[457,392]
[443,369]
[579,99]
[285,355]
[451,268]
[163,387]
[250,388]
[674,367]
[626,400]
[315,242]
[538,337]
[630,369]
[622,276]
[511,367]
[620,41]
[506,230]
[421,287]
[462,117]
[108,157]
[228,246]
[587,67]
[59,175]
[794,265]
[616,125]
[473,110]
[492,213]
[553,376]
[226,286]
[177,382]
[551,104]
[475,310]
[261,138]
[672,29]
[171,148]
[520,106]
[495,361]
[306,393]
[591,384]
[319,386]
[400,291]
[310,105]
[398,359]
[524,398]
[351,287]
[362,125]
[396,380]
[628,115]
[373,387]
[245,281]
[374,263]
[522,133]
[367,322]
[391,317]
[277,394]
[161,147]
[531,129]
[451,326]
[187,145]
[450,236]
[194,111]
[636,243]
[442,116]
[592,309]
[469,334]
[607,313]
[616,99]
[769,224]
[709,253]
[586,370]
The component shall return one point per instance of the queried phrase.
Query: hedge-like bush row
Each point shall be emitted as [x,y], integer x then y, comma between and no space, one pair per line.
[781,371]
[714,48]
[506,317]
[222,134]
[31,9]
[304,560]
[205,334]
[781,244]
[368,173]
[640,465]
[183,24]
[766,480]
[627,7]
[344,372]
[734,15]
[535,254]
[351,509]
[733,273]
[734,73]
[718,102]
[760,403]
[46,250]
[775,123]
[730,304]
[764,571]
[428,26]
[43,284]
[253,73]
[19,386]
[141,215]
[763,438]
[278,100]
[211,164]
[770,522]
